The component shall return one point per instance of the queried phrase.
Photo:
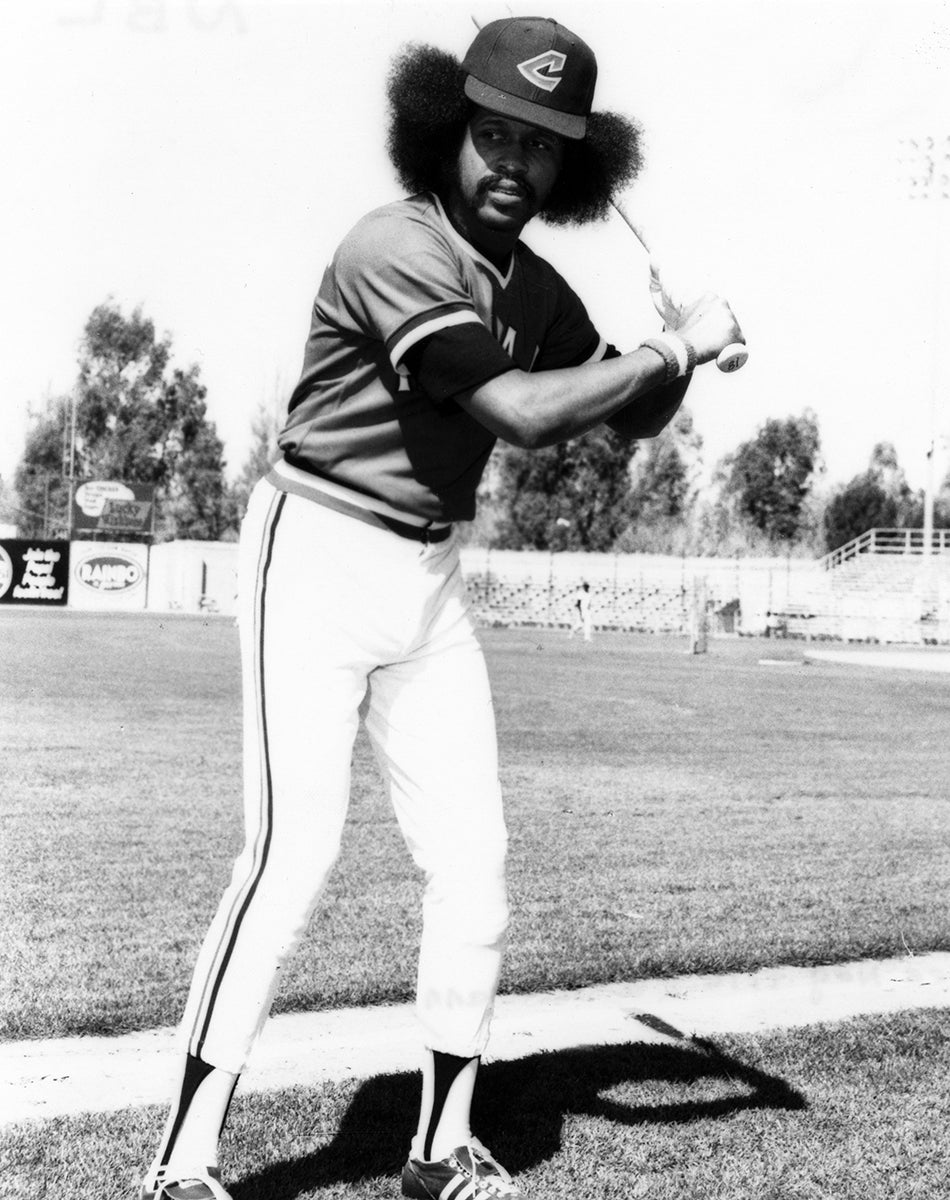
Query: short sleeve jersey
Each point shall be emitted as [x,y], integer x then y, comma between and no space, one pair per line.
[404,274]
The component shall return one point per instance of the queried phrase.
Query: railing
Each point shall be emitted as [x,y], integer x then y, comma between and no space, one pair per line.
[888,541]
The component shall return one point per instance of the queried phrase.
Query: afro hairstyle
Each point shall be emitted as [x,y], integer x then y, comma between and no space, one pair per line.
[428,115]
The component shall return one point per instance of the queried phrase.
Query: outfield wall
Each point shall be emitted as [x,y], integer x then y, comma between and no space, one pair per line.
[629,592]
[98,576]
[193,577]
[878,598]
[881,598]
[636,592]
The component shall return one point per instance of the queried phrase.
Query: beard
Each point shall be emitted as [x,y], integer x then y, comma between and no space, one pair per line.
[489,182]
[452,183]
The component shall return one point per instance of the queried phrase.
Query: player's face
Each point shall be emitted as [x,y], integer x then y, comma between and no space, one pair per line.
[506,170]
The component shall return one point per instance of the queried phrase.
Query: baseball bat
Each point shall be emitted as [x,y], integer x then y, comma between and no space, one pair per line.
[731,357]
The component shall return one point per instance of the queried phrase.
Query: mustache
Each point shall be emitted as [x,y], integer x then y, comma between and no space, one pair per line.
[485,185]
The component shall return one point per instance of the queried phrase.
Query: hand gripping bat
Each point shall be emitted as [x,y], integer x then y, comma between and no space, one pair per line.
[731,357]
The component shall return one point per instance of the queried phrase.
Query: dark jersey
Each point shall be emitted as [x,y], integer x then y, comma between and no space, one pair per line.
[404,274]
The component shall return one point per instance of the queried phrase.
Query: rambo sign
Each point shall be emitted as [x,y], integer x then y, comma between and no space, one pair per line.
[33,572]
[108,507]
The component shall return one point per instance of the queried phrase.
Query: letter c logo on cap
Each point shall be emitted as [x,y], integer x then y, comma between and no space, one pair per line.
[544,69]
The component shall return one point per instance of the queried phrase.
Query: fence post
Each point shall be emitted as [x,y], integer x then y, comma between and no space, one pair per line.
[699,617]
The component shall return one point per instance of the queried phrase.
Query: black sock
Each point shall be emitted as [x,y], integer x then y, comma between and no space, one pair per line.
[196,1072]
[448,1067]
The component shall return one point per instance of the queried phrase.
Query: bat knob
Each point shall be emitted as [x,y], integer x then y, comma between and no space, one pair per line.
[731,358]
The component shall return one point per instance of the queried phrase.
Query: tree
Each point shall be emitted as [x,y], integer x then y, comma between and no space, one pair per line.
[138,420]
[770,476]
[264,452]
[197,501]
[664,476]
[40,479]
[9,512]
[121,428]
[663,490]
[912,516]
[878,498]
[572,496]
[860,505]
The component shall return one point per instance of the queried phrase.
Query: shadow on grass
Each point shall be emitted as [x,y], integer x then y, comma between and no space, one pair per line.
[520,1108]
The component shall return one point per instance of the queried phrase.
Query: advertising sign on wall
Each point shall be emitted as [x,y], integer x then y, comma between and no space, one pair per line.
[33,572]
[108,575]
[104,506]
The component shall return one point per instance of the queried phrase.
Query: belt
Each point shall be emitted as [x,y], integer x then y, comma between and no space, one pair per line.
[405,529]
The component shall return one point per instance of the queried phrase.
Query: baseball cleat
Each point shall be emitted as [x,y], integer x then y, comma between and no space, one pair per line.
[204,1183]
[469,1173]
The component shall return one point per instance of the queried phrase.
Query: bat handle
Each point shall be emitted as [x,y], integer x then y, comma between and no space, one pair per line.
[620,208]
[731,358]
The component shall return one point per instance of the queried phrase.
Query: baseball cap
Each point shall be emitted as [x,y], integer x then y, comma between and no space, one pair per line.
[534,70]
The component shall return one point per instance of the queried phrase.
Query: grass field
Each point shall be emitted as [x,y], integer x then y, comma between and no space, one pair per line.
[668,813]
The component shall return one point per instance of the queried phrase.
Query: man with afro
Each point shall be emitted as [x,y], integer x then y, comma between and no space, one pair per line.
[434,332]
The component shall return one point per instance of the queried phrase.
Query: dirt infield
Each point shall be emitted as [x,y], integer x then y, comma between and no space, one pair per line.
[43,1079]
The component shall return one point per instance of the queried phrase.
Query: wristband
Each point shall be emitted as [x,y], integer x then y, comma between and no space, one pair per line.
[676,352]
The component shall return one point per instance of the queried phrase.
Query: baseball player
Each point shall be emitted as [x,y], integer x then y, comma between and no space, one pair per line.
[435,331]
[583,618]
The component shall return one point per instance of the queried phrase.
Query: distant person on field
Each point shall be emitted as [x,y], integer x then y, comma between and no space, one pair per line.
[581,613]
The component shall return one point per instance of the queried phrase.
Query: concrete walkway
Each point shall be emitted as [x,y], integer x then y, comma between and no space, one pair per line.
[42,1079]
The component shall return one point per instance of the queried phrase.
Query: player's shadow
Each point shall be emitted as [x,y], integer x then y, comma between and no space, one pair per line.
[521,1106]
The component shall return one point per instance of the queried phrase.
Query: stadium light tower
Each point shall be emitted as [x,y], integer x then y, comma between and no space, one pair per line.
[927,162]
[72,466]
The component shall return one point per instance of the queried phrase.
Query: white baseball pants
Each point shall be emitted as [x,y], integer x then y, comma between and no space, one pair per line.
[333,610]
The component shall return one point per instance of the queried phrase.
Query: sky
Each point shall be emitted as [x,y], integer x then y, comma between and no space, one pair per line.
[200,159]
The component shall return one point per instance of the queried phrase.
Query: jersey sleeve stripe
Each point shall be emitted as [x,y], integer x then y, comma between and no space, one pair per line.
[411,335]
[599,352]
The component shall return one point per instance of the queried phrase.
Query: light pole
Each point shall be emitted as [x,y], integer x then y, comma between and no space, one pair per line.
[928,175]
[72,466]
